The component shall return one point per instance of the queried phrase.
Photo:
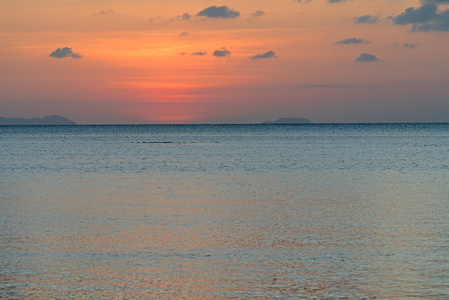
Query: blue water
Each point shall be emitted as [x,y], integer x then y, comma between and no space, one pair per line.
[225,211]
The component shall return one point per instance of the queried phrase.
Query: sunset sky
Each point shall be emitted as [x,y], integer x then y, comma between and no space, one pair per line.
[202,61]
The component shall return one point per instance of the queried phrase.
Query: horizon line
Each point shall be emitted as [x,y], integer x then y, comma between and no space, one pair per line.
[263,124]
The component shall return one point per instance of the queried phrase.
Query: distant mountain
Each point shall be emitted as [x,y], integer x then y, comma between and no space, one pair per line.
[49,120]
[289,121]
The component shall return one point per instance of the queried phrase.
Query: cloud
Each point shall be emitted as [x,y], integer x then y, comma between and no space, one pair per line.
[328,86]
[105,12]
[435,1]
[183,34]
[440,23]
[367,19]
[64,52]
[269,54]
[258,13]
[222,53]
[353,41]
[426,17]
[366,57]
[412,15]
[409,46]
[219,12]
[199,53]
[184,17]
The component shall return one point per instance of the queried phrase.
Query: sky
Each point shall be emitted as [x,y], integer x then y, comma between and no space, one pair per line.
[202,61]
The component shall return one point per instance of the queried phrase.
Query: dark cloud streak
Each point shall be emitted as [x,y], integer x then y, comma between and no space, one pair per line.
[353,41]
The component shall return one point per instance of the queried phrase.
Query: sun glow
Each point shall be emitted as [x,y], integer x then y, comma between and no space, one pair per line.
[166,59]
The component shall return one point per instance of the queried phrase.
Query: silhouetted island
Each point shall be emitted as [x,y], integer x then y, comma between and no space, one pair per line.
[289,121]
[48,120]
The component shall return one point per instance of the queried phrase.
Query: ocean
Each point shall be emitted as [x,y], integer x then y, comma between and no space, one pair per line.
[312,211]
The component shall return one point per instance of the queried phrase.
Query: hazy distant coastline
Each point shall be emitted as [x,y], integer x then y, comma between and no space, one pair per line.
[289,121]
[48,120]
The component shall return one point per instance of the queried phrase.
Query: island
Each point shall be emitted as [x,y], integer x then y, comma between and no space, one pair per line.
[48,120]
[289,121]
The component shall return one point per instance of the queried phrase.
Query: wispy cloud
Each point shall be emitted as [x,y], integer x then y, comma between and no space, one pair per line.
[64,52]
[223,12]
[184,17]
[269,54]
[183,34]
[410,45]
[105,12]
[258,13]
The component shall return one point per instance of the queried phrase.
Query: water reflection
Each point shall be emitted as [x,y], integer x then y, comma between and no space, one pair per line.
[246,237]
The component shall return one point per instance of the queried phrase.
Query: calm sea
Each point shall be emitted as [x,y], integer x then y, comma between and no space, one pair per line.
[225,212]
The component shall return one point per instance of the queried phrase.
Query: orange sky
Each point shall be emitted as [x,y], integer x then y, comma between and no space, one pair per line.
[135,62]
